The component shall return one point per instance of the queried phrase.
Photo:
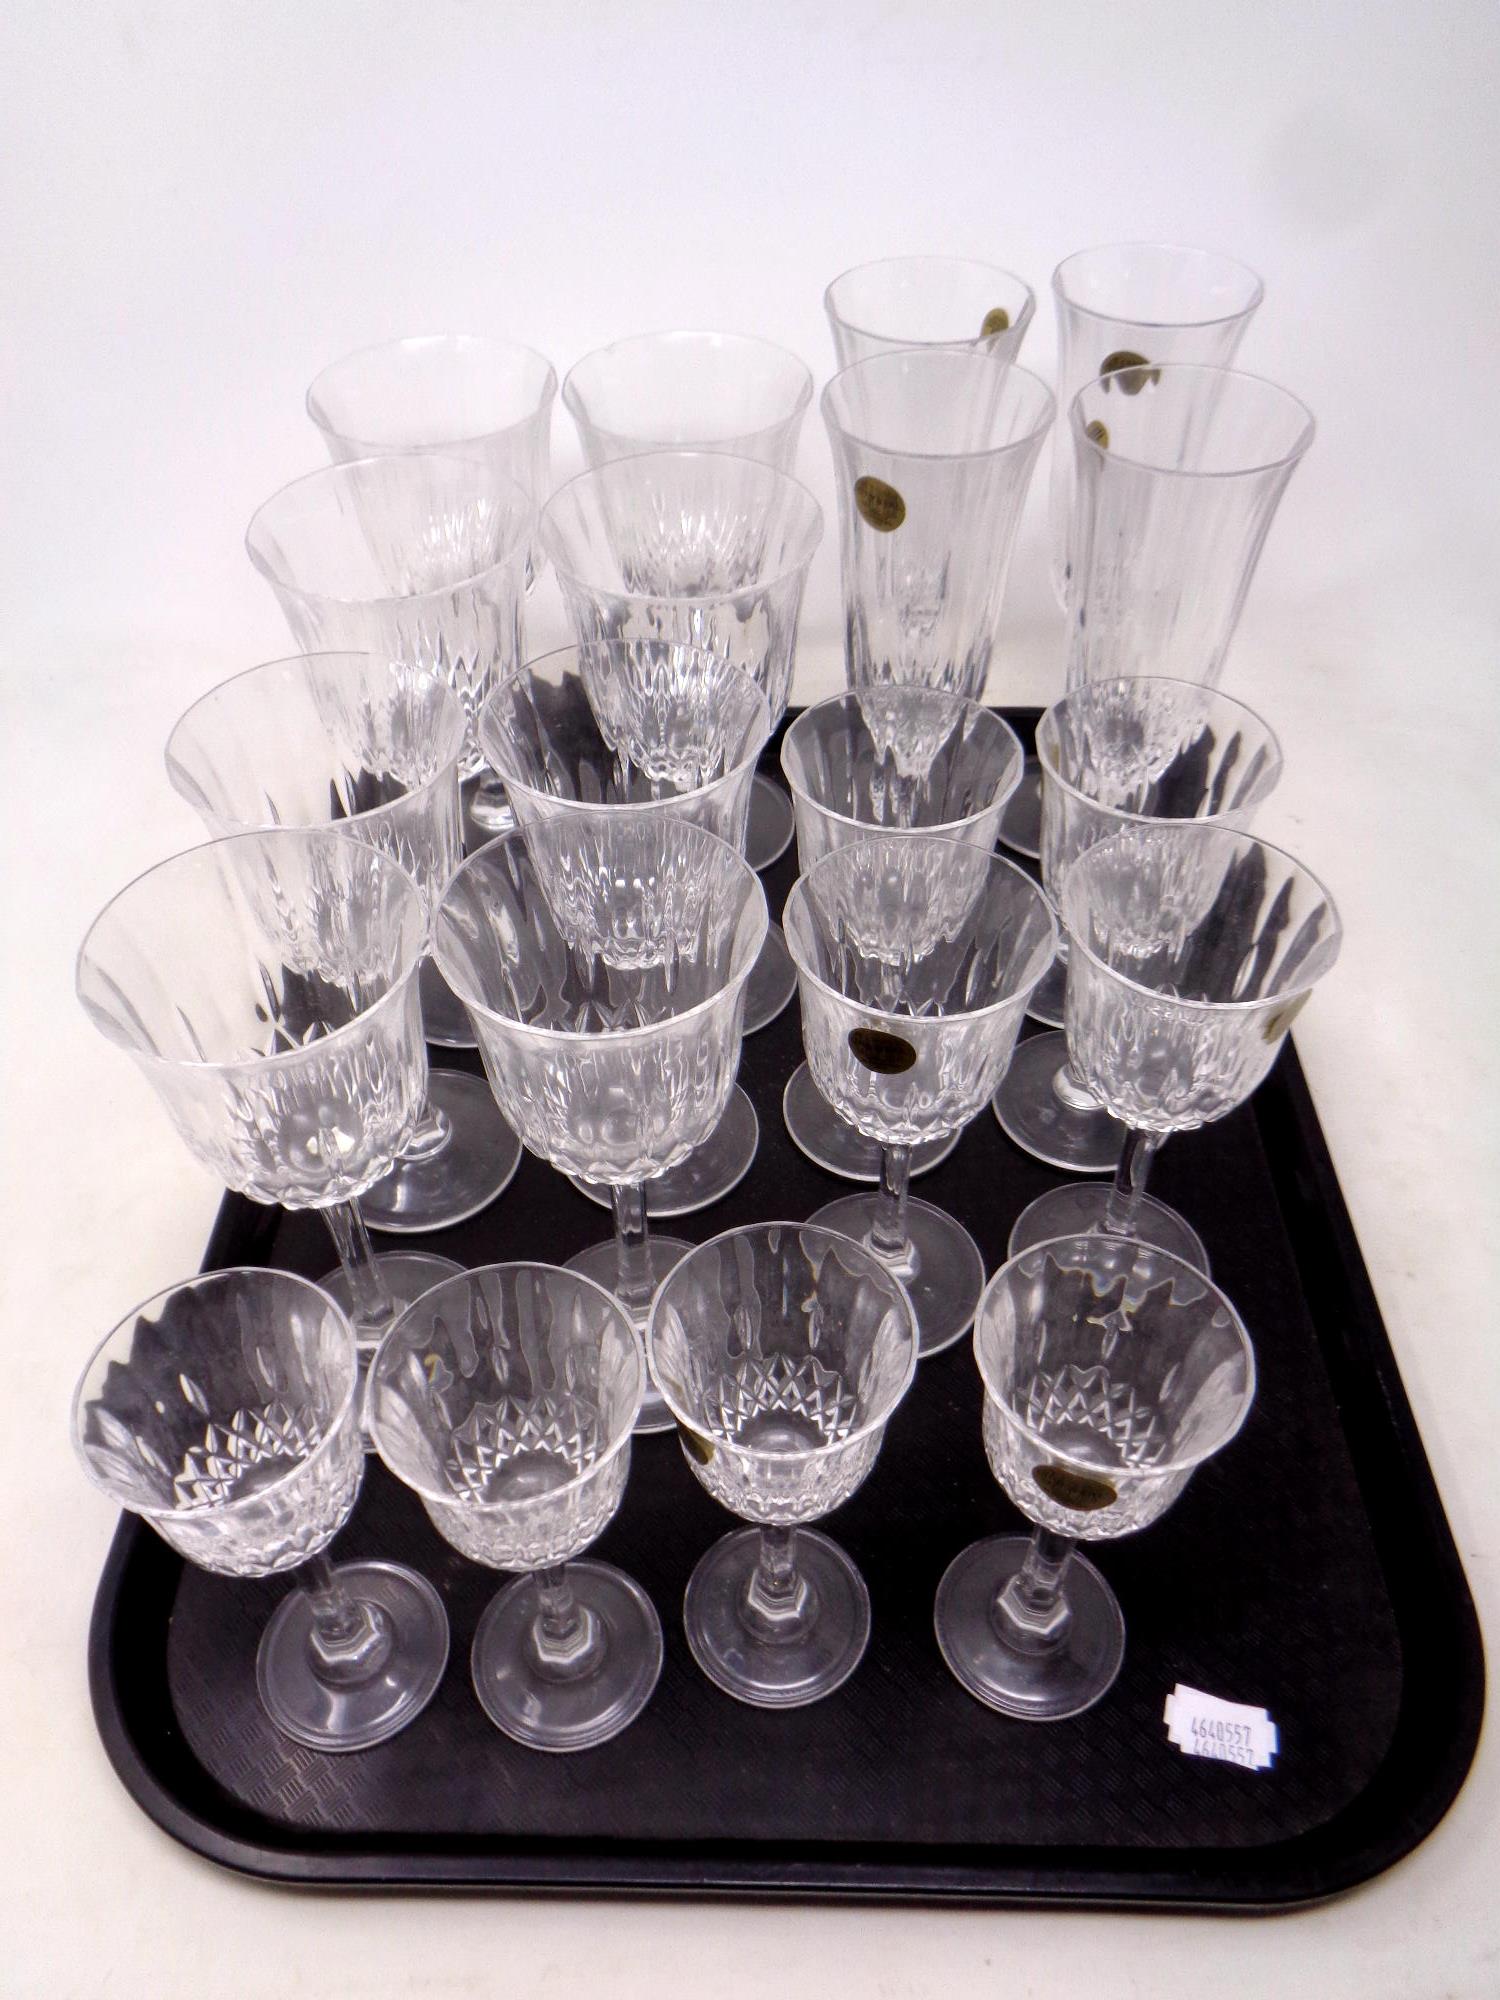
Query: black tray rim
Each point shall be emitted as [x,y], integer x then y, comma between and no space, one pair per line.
[1436,1732]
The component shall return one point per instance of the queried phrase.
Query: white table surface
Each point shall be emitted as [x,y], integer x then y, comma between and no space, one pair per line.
[173,281]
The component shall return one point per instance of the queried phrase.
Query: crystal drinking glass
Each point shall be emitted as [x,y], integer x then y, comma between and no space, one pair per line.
[1111,1370]
[914,959]
[927,302]
[933,451]
[490,399]
[413,556]
[604,963]
[266,986]
[373,746]
[641,725]
[782,1350]
[1116,754]
[1191,949]
[701,547]
[224,1411]
[888,759]
[505,1400]
[690,391]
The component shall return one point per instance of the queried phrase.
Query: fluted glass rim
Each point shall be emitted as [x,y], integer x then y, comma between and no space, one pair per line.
[534,1503]
[1047,727]
[809,539]
[674,802]
[219,1510]
[944,353]
[288,1058]
[798,894]
[866,828]
[846,1245]
[455,974]
[1111,454]
[1124,1475]
[452,728]
[375,447]
[1222,257]
[924,257]
[1072,894]
[341,474]
[572,396]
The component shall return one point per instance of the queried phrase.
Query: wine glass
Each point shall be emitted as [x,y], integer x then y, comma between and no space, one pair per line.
[604,964]
[1114,754]
[224,1411]
[505,1400]
[266,987]
[914,958]
[1111,1371]
[1192,949]
[887,759]
[691,391]
[926,302]
[701,547]
[781,1350]
[641,725]
[372,746]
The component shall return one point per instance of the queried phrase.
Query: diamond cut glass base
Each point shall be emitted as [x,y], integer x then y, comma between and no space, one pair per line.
[458,1179]
[804,1663]
[706,1175]
[1078,1210]
[601,1263]
[1032,1115]
[817,1130]
[323,1717]
[948,1277]
[771,825]
[1043,1684]
[560,1715]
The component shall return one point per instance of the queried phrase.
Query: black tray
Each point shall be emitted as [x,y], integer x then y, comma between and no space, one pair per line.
[1309,1569]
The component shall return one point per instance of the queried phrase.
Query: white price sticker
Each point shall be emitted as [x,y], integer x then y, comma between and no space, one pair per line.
[1203,1726]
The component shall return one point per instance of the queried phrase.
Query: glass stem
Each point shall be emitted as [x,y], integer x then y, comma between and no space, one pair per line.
[889,1238]
[1124,1202]
[633,1280]
[567,1640]
[351,1640]
[374,1308]
[1069,1088]
[778,1603]
[1031,1611]
[433,1132]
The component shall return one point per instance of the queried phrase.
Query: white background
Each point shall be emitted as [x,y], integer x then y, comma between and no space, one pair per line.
[200,204]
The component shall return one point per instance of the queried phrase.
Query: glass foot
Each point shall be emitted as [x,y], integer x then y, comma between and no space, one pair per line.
[406,1275]
[946,1273]
[817,1130]
[772,825]
[769,989]
[1048,1002]
[1059,1678]
[457,1178]
[600,1262]
[550,1713]
[1079,1211]
[1021,821]
[445,1022]
[799,1665]
[324,1717]
[707,1174]
[487,808]
[1082,1139]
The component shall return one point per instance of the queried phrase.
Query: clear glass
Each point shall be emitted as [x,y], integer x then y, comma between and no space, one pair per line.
[927,302]
[505,1400]
[224,1411]
[372,746]
[782,1350]
[1134,302]
[706,549]
[1115,754]
[415,556]
[914,958]
[604,960]
[266,986]
[933,452]
[1111,1370]
[1191,950]
[891,758]
[1180,472]
[690,391]
[490,399]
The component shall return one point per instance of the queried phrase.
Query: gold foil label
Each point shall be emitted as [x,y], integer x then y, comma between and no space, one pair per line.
[887,1055]
[996,320]
[879,504]
[1081,1492]
[1131,371]
[1098,434]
